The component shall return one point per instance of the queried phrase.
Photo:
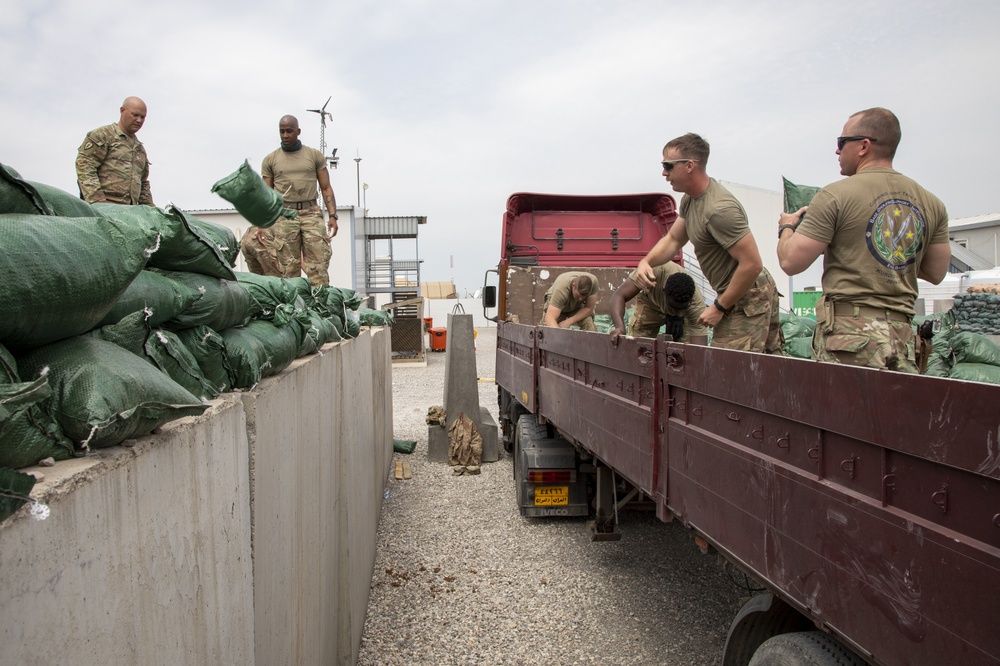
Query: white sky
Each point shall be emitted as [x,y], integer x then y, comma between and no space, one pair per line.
[453,106]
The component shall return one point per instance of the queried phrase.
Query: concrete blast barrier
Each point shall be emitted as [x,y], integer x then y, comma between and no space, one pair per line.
[245,535]
[461,393]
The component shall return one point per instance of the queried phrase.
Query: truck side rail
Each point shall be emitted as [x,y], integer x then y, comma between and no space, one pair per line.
[868,500]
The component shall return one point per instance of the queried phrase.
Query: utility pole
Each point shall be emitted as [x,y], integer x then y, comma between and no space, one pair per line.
[357,160]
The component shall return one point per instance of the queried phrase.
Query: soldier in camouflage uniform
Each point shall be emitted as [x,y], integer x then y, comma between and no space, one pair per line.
[571,300]
[675,302]
[303,243]
[878,231]
[111,164]
[744,315]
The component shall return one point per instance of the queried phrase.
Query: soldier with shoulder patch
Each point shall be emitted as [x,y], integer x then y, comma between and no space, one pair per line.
[292,246]
[111,164]
[878,231]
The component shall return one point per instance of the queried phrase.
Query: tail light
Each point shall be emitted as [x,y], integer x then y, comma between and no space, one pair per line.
[552,476]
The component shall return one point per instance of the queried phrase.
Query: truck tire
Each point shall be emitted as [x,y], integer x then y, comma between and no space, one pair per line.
[804,648]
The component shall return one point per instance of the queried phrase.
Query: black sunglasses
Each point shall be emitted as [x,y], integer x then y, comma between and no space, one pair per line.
[670,164]
[842,140]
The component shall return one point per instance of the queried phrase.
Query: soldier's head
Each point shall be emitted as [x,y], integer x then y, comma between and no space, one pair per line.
[133,115]
[583,287]
[288,128]
[684,162]
[869,137]
[679,290]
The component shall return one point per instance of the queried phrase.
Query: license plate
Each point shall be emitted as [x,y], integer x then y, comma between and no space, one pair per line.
[551,495]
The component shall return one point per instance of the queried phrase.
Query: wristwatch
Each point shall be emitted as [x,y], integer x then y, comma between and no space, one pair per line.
[786,226]
[725,311]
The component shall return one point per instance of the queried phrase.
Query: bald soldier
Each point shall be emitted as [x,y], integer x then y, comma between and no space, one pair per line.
[111,164]
[303,243]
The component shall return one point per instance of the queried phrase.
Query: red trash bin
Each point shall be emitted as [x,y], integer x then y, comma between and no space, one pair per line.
[439,339]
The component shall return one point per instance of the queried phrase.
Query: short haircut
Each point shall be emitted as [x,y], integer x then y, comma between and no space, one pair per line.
[679,287]
[884,126]
[585,286]
[690,146]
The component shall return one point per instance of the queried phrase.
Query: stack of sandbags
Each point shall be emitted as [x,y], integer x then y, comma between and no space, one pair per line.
[798,332]
[978,310]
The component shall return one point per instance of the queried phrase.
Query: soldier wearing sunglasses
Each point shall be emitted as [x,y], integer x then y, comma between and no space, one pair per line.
[878,231]
[744,315]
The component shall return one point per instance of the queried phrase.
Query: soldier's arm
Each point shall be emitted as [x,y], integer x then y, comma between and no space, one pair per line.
[89,157]
[665,249]
[323,177]
[145,194]
[622,295]
[935,263]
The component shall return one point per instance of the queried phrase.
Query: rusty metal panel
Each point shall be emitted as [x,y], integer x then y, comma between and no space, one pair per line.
[869,499]
[526,287]
[601,396]
[515,367]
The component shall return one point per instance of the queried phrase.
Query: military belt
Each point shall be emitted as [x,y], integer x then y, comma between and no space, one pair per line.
[299,205]
[852,310]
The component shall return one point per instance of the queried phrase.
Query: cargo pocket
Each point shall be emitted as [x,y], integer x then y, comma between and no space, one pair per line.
[756,302]
[846,342]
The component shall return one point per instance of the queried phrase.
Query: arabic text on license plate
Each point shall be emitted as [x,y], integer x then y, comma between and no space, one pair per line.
[551,495]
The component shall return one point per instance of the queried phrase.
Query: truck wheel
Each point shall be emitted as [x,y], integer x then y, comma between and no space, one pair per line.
[804,648]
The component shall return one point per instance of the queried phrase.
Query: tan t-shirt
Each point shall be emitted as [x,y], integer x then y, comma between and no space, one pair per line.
[655,298]
[878,224]
[714,222]
[560,294]
[293,174]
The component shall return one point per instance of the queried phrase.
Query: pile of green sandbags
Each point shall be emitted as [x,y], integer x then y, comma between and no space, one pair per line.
[116,319]
[960,354]
[978,312]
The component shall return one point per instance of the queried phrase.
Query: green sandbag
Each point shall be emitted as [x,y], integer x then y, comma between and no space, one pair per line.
[794,326]
[976,372]
[269,291]
[259,349]
[62,275]
[799,347]
[27,433]
[220,236]
[209,350]
[974,348]
[403,445]
[352,326]
[172,356]
[103,394]
[260,205]
[223,303]
[18,196]
[162,297]
[369,317]
[161,348]
[602,323]
[183,247]
[797,196]
[13,487]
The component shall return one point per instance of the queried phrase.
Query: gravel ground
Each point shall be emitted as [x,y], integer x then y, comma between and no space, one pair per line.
[461,578]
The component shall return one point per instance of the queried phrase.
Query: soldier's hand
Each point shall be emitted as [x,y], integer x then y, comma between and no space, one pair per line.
[614,334]
[644,274]
[331,225]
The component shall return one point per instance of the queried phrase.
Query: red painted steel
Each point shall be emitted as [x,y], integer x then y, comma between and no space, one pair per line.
[869,500]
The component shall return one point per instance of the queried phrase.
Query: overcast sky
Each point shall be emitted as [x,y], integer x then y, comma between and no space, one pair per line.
[453,106]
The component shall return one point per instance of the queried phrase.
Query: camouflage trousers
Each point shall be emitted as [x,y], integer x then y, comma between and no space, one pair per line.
[753,325]
[864,338]
[291,247]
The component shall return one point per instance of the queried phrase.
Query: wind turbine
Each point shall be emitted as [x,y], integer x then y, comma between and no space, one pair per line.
[323,115]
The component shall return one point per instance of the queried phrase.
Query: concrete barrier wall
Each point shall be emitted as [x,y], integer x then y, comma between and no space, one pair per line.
[245,535]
